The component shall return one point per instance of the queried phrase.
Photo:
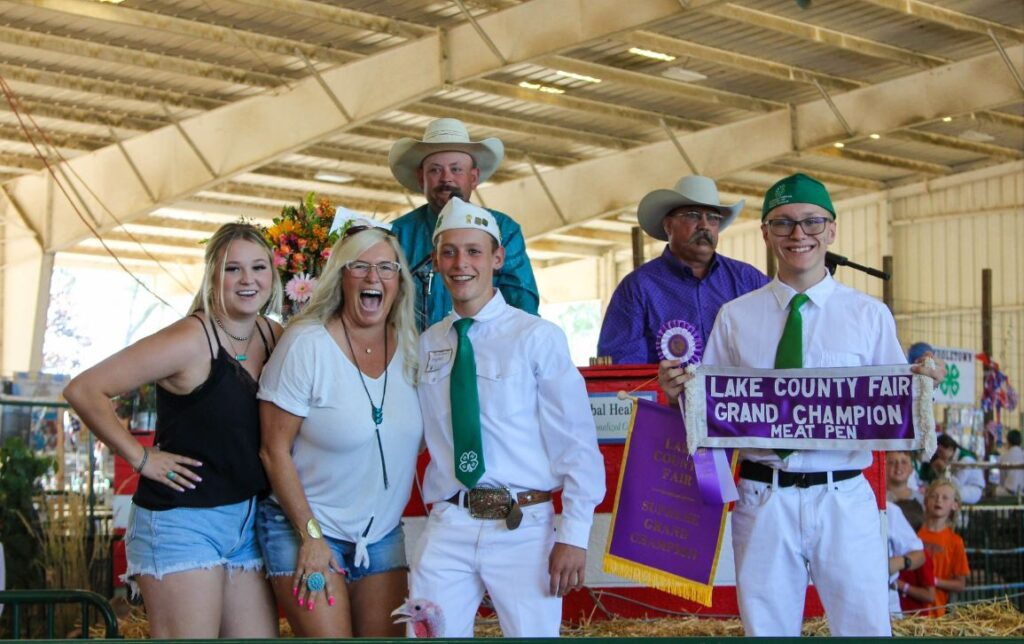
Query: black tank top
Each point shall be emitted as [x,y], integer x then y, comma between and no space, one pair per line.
[218,424]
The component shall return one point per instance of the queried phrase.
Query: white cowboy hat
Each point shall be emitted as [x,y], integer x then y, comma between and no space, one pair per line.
[459,214]
[442,135]
[692,190]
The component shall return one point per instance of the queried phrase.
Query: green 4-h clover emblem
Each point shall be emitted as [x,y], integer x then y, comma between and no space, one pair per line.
[950,385]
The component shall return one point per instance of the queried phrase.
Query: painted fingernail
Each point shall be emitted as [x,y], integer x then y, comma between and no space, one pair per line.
[330,601]
[310,605]
[295,591]
[301,601]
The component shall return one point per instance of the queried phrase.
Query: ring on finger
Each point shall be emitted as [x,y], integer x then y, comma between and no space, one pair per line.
[316,582]
[171,474]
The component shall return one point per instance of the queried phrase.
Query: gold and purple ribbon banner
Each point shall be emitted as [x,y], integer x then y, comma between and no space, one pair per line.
[872,408]
[666,530]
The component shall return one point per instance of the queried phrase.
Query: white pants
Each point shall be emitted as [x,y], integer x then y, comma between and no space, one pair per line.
[458,557]
[829,533]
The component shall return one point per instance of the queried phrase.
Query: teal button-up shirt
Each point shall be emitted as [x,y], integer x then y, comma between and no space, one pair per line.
[515,279]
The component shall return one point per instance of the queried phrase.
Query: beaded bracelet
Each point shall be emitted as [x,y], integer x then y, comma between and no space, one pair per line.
[142,463]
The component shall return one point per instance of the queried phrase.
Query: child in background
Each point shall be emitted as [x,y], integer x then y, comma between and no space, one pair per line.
[916,588]
[941,504]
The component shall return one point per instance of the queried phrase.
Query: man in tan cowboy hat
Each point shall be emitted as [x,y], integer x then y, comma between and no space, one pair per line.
[446,162]
[689,281]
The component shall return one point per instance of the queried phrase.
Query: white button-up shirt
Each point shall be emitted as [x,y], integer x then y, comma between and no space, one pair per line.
[537,428]
[842,327]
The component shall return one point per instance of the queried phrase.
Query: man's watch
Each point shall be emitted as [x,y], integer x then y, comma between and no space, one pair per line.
[314,532]
[907,563]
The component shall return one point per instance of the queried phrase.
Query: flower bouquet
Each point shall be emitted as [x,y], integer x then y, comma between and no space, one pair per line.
[301,240]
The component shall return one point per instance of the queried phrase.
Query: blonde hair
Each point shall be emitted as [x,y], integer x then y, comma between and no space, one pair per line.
[328,297]
[954,516]
[210,299]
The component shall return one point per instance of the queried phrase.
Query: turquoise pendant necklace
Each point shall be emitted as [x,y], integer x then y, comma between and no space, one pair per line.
[243,356]
[376,413]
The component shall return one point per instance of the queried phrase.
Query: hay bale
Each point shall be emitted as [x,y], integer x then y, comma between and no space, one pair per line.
[989,619]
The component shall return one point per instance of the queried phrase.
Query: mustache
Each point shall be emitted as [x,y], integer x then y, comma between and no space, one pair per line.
[701,235]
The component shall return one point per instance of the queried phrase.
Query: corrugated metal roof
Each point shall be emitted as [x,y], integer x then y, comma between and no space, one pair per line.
[82,68]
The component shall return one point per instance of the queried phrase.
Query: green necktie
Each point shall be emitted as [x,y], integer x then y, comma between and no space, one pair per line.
[469,453]
[790,352]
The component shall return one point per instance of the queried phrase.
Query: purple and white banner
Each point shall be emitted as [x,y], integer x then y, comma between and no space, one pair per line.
[876,408]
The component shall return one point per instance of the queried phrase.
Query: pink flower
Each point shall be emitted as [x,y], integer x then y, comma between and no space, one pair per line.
[300,287]
[326,253]
[279,259]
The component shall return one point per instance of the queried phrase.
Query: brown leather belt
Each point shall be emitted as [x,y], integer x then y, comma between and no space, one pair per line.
[496,502]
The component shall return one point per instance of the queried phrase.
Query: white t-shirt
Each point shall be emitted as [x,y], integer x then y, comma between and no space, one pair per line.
[1012,480]
[902,541]
[335,451]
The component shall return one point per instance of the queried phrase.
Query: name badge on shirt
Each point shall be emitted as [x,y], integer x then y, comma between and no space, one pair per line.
[438,359]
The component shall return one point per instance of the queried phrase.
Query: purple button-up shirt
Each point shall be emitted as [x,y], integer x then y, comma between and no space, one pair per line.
[666,289]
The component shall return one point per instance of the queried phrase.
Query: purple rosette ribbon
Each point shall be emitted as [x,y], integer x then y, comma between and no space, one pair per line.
[679,340]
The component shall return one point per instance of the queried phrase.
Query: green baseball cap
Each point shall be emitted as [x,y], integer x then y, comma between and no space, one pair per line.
[796,188]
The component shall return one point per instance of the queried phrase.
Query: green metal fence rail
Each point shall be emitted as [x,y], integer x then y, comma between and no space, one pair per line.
[13,600]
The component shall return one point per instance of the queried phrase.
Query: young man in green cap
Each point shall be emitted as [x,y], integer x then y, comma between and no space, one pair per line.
[807,514]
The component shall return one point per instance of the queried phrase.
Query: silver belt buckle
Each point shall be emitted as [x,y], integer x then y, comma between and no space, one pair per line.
[489,503]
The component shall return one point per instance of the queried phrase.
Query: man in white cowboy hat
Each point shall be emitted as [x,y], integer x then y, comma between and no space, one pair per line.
[689,281]
[507,422]
[446,162]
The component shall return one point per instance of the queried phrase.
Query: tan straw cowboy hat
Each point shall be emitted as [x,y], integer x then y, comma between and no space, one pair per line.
[692,190]
[442,135]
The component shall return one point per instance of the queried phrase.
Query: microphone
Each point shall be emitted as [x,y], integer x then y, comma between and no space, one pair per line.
[832,260]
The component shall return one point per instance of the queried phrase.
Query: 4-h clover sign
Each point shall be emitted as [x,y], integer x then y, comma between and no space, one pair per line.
[957,388]
[468,462]
[950,385]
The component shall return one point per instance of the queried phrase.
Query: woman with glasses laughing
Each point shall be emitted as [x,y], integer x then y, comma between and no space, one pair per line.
[341,431]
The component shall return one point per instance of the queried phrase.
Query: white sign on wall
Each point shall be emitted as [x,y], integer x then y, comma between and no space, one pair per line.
[611,415]
[957,388]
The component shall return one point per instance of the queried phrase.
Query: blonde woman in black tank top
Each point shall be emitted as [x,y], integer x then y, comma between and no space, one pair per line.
[199,483]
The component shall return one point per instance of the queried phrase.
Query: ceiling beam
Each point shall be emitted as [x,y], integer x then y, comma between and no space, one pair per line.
[167,259]
[612,237]
[490,119]
[957,143]
[286,195]
[341,16]
[200,31]
[950,18]
[876,158]
[1000,118]
[567,248]
[596,187]
[659,84]
[585,105]
[105,89]
[88,49]
[735,60]
[824,35]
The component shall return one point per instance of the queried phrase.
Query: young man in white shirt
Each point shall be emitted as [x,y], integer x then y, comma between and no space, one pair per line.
[492,526]
[809,514]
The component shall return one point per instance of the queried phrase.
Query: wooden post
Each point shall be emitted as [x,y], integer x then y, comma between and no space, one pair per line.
[887,284]
[986,341]
[638,246]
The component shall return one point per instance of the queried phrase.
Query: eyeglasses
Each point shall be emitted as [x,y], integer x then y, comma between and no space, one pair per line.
[810,226]
[695,216]
[386,270]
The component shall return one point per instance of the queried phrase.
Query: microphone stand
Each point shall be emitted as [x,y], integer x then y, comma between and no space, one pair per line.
[832,261]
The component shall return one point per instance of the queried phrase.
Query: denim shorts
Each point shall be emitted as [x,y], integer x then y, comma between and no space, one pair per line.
[280,547]
[161,542]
